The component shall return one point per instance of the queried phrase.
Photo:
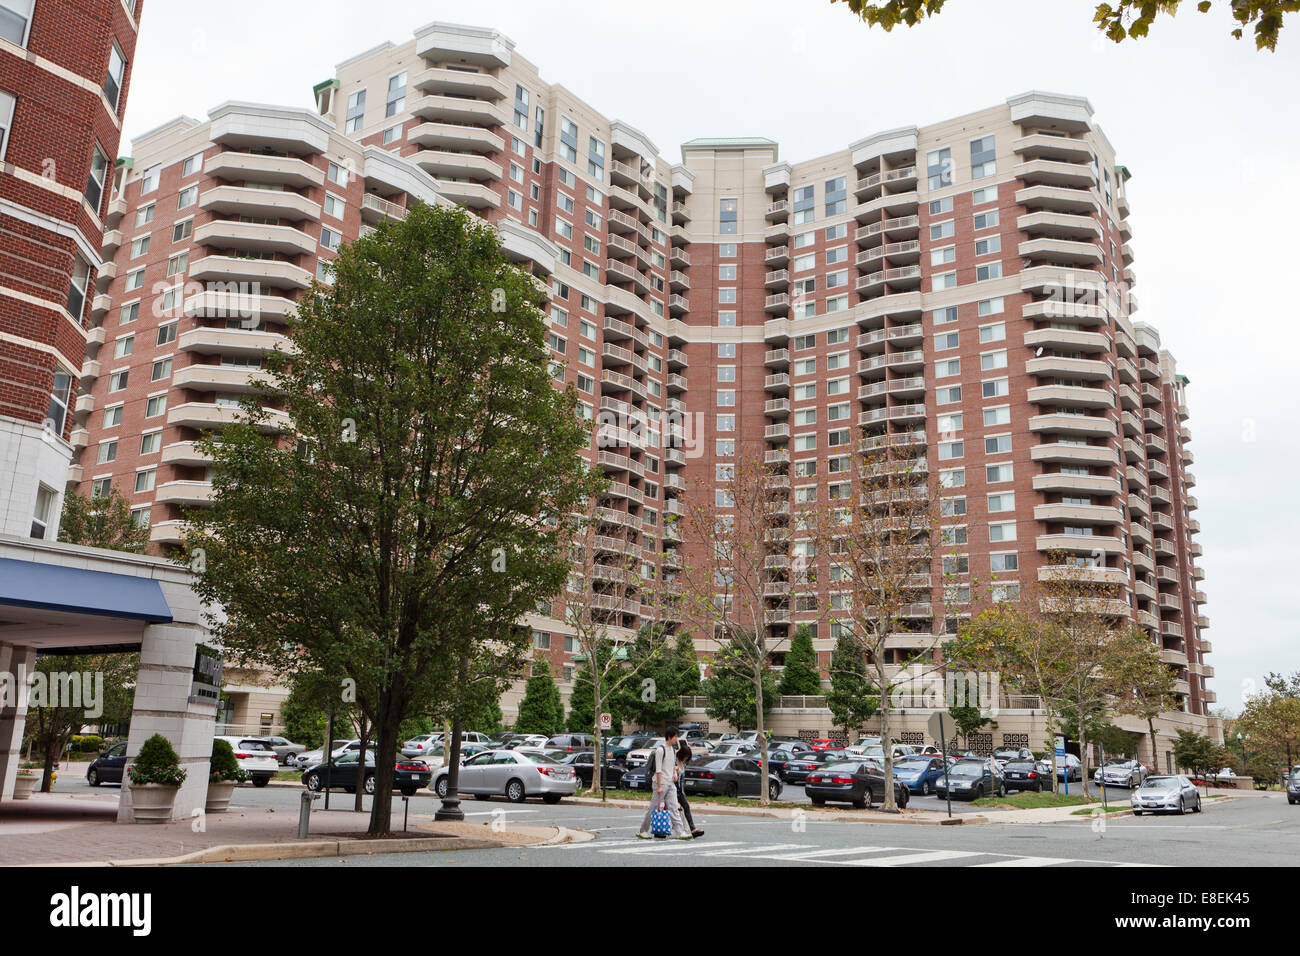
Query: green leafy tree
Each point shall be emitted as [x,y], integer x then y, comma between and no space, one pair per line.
[730,688]
[1198,753]
[102,522]
[650,699]
[971,715]
[540,710]
[801,677]
[688,665]
[1271,720]
[76,691]
[852,698]
[1125,19]
[413,522]
[582,702]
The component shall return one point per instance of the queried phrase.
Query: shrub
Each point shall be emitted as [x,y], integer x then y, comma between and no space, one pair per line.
[224,767]
[157,763]
[87,743]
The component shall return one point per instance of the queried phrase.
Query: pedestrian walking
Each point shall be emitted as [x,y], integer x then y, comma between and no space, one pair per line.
[684,755]
[664,788]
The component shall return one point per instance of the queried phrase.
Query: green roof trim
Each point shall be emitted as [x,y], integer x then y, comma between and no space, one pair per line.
[1183,379]
[728,142]
[1123,171]
[126,161]
[322,84]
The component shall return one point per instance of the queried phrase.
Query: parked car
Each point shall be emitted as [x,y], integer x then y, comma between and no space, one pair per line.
[286,751]
[792,744]
[860,783]
[515,775]
[1172,793]
[862,743]
[639,756]
[583,763]
[728,777]
[1293,787]
[919,773]
[822,743]
[777,761]
[569,743]
[971,780]
[108,766]
[635,779]
[1120,773]
[734,748]
[409,775]
[529,740]
[312,757]
[1003,754]
[1027,775]
[628,744]
[878,752]
[699,747]
[797,769]
[254,755]
[420,745]
[1072,768]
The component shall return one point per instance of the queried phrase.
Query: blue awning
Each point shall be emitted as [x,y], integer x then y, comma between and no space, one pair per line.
[77,591]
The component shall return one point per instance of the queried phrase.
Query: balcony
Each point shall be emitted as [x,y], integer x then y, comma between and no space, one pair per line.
[470,195]
[778,211]
[213,340]
[454,137]
[895,229]
[100,305]
[1075,454]
[678,304]
[776,408]
[112,242]
[779,382]
[1090,425]
[185,453]
[1050,172]
[1059,310]
[207,415]
[258,203]
[447,165]
[79,438]
[777,255]
[1079,543]
[226,234]
[779,434]
[375,209]
[1068,340]
[167,532]
[438,108]
[777,303]
[238,305]
[483,86]
[269,170]
[679,256]
[268,272]
[1062,251]
[1078,514]
[90,369]
[904,277]
[191,493]
[228,380]
[1058,199]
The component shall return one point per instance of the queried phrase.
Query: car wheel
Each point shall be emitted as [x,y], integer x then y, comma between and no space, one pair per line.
[92,777]
[818,801]
[1197,808]
[1038,787]
[979,793]
[1137,813]
[1182,805]
[261,781]
[925,788]
[440,788]
[773,790]
[313,782]
[733,789]
[515,792]
[369,783]
[550,798]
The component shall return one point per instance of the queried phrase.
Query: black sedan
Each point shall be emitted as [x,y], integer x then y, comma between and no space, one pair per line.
[1027,774]
[859,783]
[108,766]
[341,773]
[728,777]
[583,763]
[971,780]
[798,768]
[777,760]
[635,779]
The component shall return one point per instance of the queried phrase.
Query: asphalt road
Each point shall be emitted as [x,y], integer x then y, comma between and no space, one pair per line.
[1253,830]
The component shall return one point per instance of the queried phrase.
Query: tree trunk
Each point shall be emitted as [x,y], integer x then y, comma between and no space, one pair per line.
[391,705]
[1155,757]
[597,765]
[886,742]
[52,747]
[762,734]
[1051,750]
[357,802]
[1083,758]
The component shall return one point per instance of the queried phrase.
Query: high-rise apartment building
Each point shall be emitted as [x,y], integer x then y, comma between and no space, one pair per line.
[962,287]
[65,68]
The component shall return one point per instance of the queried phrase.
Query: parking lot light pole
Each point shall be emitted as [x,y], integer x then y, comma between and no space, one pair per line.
[450,808]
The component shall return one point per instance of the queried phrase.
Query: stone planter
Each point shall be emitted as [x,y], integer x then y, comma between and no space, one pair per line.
[219,794]
[25,785]
[152,802]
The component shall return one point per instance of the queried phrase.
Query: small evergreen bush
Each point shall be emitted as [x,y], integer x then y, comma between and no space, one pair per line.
[224,768]
[157,763]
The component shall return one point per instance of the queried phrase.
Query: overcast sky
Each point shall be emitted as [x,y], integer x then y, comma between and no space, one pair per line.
[1207,126]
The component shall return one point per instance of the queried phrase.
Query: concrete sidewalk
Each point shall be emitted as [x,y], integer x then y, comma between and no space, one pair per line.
[60,829]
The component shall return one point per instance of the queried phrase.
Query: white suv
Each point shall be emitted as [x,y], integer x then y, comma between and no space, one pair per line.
[256,757]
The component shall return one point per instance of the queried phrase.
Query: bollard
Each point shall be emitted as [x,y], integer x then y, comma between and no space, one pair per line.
[306,799]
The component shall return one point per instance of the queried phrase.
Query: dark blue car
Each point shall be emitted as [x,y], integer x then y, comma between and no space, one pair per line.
[108,766]
[921,774]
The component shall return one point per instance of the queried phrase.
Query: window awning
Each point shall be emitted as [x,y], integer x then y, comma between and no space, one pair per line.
[75,590]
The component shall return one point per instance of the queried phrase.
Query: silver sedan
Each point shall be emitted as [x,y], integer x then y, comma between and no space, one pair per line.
[1166,794]
[516,775]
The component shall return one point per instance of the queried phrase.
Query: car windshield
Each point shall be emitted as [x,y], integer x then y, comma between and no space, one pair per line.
[912,764]
[967,770]
[537,756]
[253,745]
[1159,783]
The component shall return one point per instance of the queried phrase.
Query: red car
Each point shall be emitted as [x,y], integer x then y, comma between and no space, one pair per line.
[821,744]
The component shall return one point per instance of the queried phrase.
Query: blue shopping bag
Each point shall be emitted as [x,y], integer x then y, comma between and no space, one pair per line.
[660,823]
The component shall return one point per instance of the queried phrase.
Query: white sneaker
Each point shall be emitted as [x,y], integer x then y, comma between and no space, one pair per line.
[643,836]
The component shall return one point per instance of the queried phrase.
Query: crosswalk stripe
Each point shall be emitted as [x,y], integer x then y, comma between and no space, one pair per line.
[907,859]
[664,846]
[754,849]
[594,844]
[1026,861]
[815,855]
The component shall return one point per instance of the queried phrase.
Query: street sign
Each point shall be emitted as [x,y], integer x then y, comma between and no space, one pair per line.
[934,727]
[606,721]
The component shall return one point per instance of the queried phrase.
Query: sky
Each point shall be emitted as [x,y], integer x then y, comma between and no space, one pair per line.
[1206,125]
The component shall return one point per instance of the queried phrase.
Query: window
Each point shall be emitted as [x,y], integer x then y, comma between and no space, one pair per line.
[940,207]
[1003,562]
[113,416]
[568,139]
[6,110]
[162,368]
[329,239]
[997,445]
[396,101]
[144,480]
[727,295]
[98,170]
[117,380]
[337,174]
[948,395]
[943,256]
[15,18]
[986,220]
[944,316]
[986,247]
[1006,501]
[726,423]
[392,135]
[1001,415]
[998,473]
[727,250]
[726,398]
[728,216]
[944,280]
[993,360]
[77,286]
[139,247]
[983,157]
[178,264]
[1002,531]
[955,535]
[130,312]
[45,498]
[997,332]
[334,206]
[996,388]
[805,206]
[596,158]
[156,405]
[983,195]
[836,197]
[149,180]
[356,111]
[107,452]
[805,417]
[947,368]
[116,72]
[726,350]
[950,449]
[952,507]
[938,167]
[952,478]
[724,447]
[946,340]
[124,346]
[60,394]
[992,270]
[182,230]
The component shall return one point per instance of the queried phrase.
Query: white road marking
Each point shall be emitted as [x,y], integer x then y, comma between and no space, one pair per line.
[664,846]
[907,859]
[755,849]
